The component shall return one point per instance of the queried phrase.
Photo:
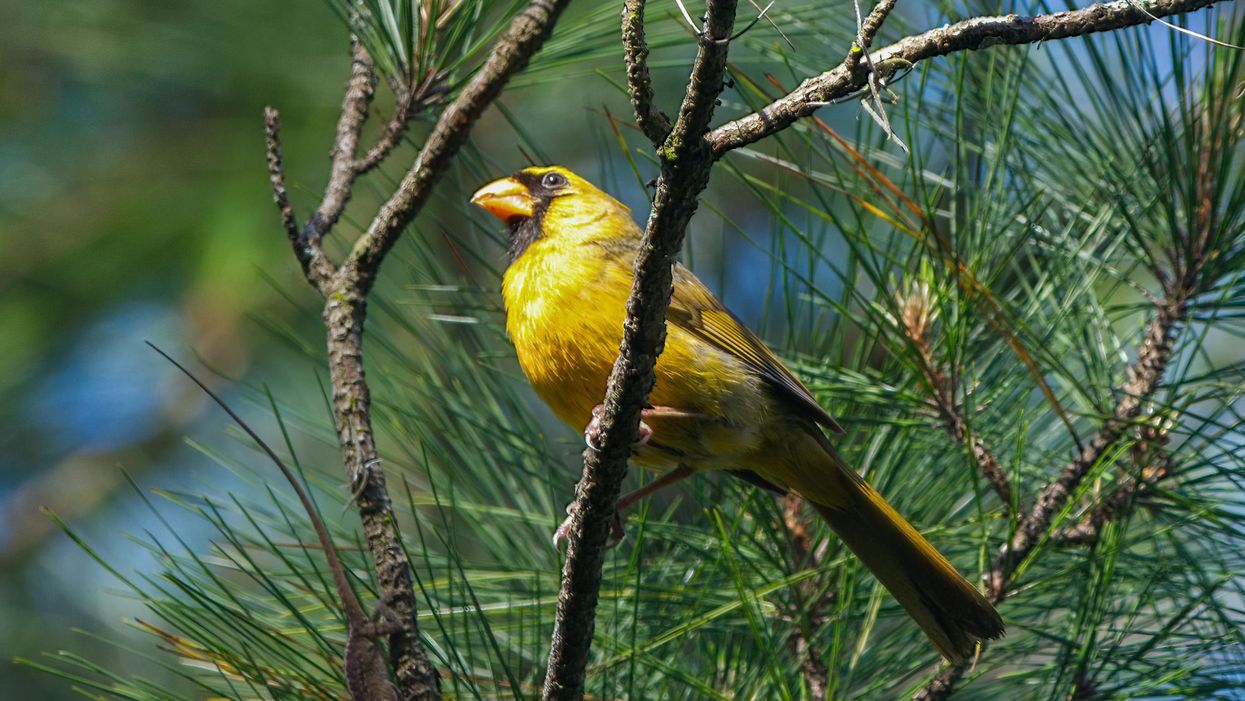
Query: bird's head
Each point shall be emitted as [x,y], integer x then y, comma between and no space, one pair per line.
[545,202]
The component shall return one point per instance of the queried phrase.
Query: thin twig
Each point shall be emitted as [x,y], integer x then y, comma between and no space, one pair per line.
[316,267]
[525,35]
[804,554]
[390,135]
[358,99]
[654,124]
[866,30]
[685,165]
[967,35]
[412,100]
[1152,465]
[916,317]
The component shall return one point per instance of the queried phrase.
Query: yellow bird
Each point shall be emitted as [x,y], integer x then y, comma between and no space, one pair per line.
[722,401]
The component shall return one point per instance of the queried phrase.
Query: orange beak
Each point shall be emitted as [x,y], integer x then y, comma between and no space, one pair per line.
[505,199]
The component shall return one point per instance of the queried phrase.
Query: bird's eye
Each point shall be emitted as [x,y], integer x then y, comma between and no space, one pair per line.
[552,181]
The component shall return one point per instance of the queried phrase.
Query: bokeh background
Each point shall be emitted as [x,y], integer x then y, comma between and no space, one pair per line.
[133,206]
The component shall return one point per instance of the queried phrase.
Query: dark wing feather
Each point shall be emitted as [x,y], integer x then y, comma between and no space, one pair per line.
[694,309]
[756,480]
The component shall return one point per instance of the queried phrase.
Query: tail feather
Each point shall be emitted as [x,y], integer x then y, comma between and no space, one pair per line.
[950,610]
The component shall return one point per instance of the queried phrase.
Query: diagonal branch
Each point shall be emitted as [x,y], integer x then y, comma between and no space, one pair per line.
[967,35]
[1152,464]
[685,165]
[916,316]
[316,267]
[1143,379]
[525,35]
[654,124]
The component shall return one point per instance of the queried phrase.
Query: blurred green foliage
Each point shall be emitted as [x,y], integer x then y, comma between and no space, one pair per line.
[134,205]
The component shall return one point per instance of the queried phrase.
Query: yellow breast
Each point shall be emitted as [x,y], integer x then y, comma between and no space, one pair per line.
[565,306]
[560,308]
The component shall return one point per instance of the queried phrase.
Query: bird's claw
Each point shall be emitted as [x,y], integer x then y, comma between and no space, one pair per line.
[592,434]
[563,532]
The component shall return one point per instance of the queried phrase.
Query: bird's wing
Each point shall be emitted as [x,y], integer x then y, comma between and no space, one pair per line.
[694,309]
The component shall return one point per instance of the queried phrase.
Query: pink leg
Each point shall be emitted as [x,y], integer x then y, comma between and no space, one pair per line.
[592,434]
[679,473]
[617,533]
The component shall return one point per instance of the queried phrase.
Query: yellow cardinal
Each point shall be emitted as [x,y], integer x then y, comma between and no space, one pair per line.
[723,401]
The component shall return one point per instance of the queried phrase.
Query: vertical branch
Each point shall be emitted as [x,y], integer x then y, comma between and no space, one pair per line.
[345,287]
[344,314]
[654,124]
[685,164]
[358,99]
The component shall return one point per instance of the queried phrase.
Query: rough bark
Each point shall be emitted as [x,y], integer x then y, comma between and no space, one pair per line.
[654,124]
[685,165]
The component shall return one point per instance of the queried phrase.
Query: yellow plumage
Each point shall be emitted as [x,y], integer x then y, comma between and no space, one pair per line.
[734,406]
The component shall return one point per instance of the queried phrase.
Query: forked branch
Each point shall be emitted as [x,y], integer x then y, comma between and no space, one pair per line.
[345,287]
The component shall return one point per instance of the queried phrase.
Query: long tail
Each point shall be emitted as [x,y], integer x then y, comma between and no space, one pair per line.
[951,612]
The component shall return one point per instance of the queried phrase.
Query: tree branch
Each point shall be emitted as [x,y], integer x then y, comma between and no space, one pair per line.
[1152,464]
[345,288]
[345,311]
[867,31]
[967,35]
[685,164]
[654,124]
[956,425]
[525,35]
[804,554]
[316,267]
[412,100]
[359,92]
[916,318]
[1189,276]
[1143,379]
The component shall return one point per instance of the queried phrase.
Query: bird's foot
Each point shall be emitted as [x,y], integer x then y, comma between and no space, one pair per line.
[563,532]
[592,434]
[383,622]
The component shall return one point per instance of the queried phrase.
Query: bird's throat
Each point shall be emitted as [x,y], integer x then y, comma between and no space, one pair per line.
[524,231]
